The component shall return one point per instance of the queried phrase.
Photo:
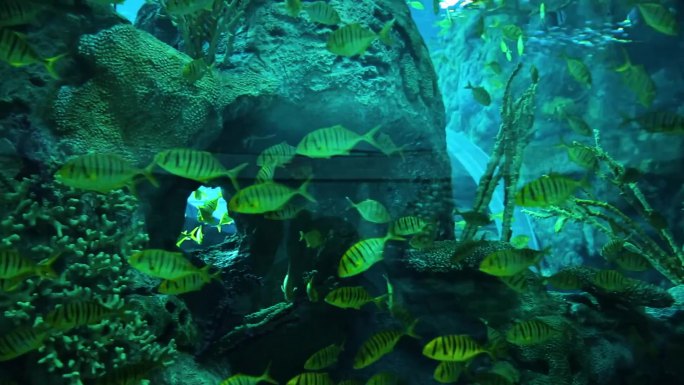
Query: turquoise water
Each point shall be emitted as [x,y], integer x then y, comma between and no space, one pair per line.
[129,9]
[343,192]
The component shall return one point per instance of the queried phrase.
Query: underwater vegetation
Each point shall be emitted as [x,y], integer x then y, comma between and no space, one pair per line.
[244,192]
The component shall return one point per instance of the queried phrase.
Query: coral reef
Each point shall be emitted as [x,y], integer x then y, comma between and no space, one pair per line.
[649,234]
[92,234]
[131,70]
[517,119]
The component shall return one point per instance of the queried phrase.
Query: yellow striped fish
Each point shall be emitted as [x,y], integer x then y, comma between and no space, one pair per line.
[408,225]
[331,141]
[531,332]
[659,122]
[277,155]
[311,379]
[18,12]
[224,221]
[190,282]
[518,282]
[195,70]
[18,53]
[293,7]
[351,297]
[266,197]
[379,345]
[289,211]
[205,212]
[14,265]
[659,18]
[350,40]
[425,238]
[637,79]
[76,314]
[8,285]
[21,341]
[453,347]
[201,166]
[265,174]
[548,190]
[371,210]
[632,261]
[579,71]
[386,145]
[162,264]
[582,157]
[565,280]
[312,238]
[100,172]
[448,372]
[244,379]
[362,255]
[511,32]
[613,247]
[322,13]
[324,358]
[506,263]
[579,125]
[383,378]
[612,280]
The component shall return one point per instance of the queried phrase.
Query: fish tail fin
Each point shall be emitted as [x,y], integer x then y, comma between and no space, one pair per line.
[368,136]
[391,236]
[379,301]
[233,173]
[400,151]
[45,269]
[351,202]
[411,329]
[469,86]
[302,190]
[216,276]
[267,375]
[50,65]
[626,65]
[384,34]
[583,184]
[147,173]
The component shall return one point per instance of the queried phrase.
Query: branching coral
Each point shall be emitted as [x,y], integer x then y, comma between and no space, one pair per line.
[517,118]
[204,29]
[92,233]
[648,236]
[261,321]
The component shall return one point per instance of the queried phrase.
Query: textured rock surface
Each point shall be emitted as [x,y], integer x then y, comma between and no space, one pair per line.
[137,101]
[394,87]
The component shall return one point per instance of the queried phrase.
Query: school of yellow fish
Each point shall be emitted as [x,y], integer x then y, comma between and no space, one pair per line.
[103,173]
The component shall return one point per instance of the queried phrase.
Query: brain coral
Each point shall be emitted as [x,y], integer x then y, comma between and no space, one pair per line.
[136,102]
